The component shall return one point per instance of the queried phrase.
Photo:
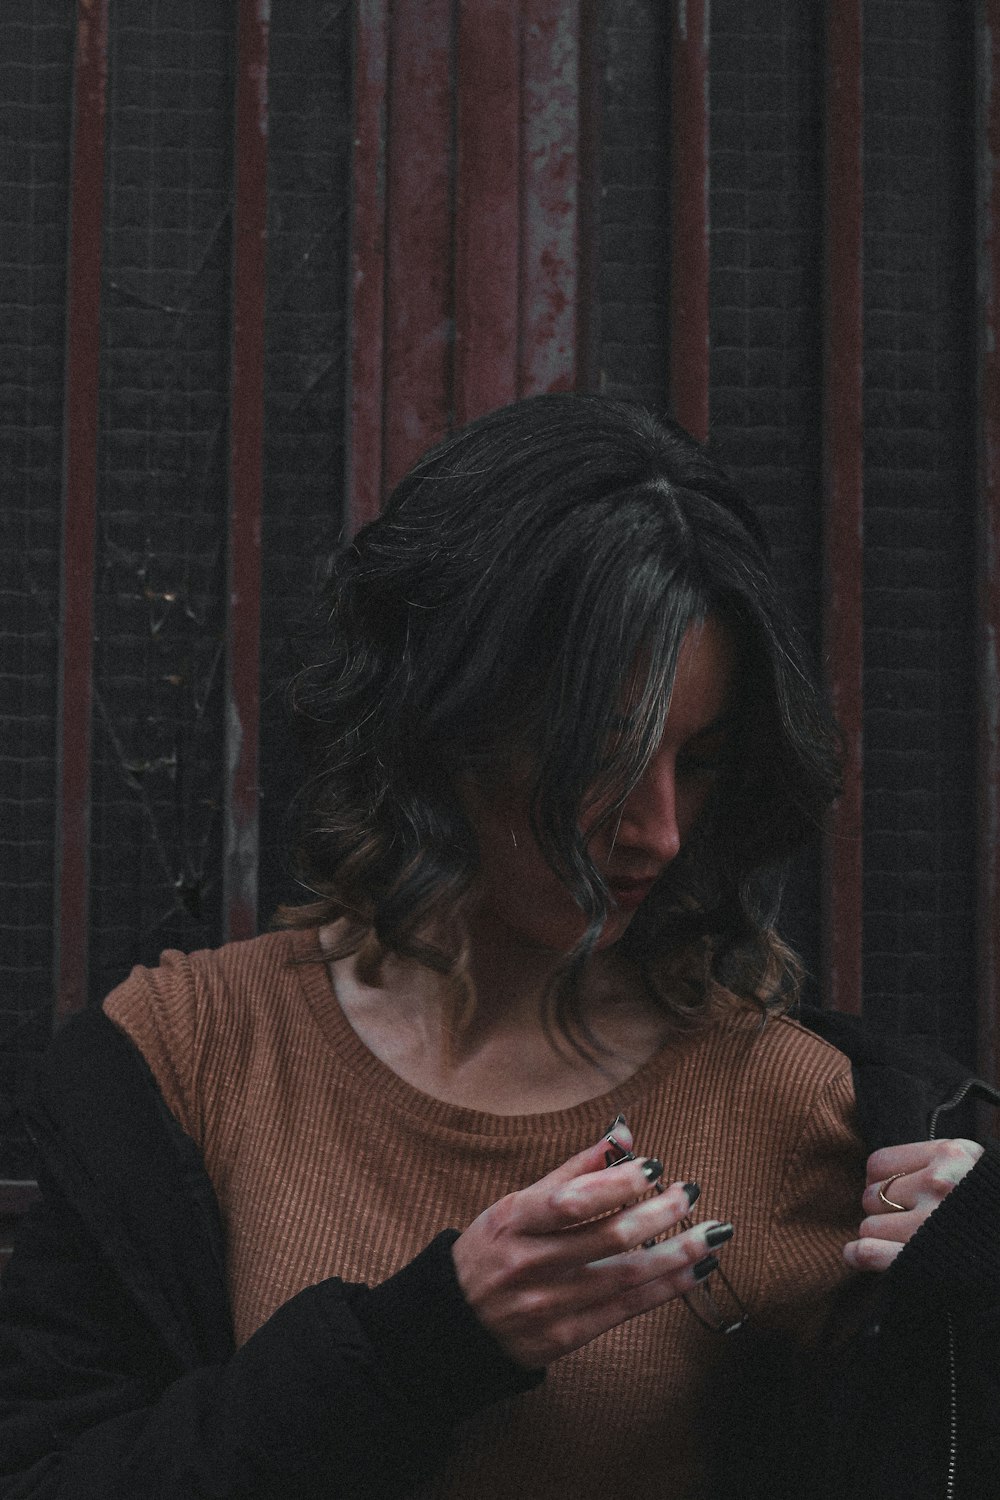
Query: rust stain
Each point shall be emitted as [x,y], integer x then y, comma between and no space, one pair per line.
[551,155]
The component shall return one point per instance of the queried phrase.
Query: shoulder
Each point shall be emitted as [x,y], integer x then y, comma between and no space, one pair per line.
[780,1053]
[183,988]
[796,1044]
[181,977]
[778,1079]
[199,1011]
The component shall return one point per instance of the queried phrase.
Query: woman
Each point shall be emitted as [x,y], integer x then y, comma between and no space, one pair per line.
[399,1199]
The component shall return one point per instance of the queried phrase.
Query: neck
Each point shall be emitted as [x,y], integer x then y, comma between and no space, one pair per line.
[511,981]
[504,1060]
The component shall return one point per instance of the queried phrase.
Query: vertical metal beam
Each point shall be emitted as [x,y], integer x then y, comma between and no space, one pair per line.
[988,548]
[465,230]
[246,443]
[689,215]
[83,304]
[419,270]
[487,218]
[843,494]
[366,312]
[549,288]
[588,232]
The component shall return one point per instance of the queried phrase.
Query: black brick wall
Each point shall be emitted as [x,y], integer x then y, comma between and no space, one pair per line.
[163,438]
[919,517]
[157,730]
[766,104]
[309,198]
[36,54]
[765,271]
[163,449]
[764,291]
[633,286]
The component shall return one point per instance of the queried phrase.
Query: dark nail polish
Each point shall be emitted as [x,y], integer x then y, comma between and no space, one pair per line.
[618,1120]
[718,1236]
[611,1160]
[706,1267]
[652,1170]
[648,1244]
[693,1193]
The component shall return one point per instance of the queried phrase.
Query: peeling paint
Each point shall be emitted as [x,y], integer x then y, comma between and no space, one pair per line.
[550,209]
[234,739]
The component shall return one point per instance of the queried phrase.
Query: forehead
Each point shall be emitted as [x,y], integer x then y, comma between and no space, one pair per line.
[704,679]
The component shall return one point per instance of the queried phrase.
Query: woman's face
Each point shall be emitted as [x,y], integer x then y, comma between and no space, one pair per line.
[521,900]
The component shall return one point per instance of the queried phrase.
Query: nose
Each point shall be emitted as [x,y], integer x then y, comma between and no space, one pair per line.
[649,825]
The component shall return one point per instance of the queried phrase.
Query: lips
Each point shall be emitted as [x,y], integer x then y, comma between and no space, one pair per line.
[629,894]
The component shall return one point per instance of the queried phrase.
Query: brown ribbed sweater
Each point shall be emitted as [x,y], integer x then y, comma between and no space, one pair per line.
[327,1163]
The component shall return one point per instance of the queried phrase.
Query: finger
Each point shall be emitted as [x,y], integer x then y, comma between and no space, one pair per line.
[616,1142]
[946,1163]
[949,1163]
[903,1190]
[556,1204]
[915,1155]
[667,1257]
[899,1228]
[639,1225]
[593,1193]
[600,1281]
[891,1159]
[578,1326]
[871,1254]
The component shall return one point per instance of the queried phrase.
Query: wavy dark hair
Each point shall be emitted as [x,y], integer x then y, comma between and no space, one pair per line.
[523,572]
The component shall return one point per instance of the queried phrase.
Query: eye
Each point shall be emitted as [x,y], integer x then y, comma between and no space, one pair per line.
[705,756]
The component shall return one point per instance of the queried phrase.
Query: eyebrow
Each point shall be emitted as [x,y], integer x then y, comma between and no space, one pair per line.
[721,721]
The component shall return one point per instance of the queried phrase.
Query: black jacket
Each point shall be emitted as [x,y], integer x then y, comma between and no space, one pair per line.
[907,1408]
[119,1377]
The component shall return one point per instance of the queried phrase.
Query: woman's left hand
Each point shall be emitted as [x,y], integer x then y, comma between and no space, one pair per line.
[917,1177]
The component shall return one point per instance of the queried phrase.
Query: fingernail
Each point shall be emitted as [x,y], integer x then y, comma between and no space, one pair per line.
[705,1267]
[618,1120]
[611,1160]
[718,1236]
[652,1170]
[648,1244]
[693,1193]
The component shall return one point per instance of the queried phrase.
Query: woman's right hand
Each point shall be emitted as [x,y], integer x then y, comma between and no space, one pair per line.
[549,1268]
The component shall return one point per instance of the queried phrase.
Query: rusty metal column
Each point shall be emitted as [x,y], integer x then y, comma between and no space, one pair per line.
[988,532]
[76,644]
[549,347]
[587,333]
[843,495]
[246,475]
[366,301]
[487,207]
[419,287]
[689,214]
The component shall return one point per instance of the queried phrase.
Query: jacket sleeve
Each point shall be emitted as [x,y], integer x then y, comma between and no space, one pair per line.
[940,1302]
[907,1408]
[114,1382]
[900,1395]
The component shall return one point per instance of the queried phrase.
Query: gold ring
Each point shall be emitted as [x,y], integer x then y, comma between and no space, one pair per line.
[900,1208]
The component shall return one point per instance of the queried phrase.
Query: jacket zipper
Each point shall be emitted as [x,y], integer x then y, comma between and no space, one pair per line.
[948,1104]
[936,1114]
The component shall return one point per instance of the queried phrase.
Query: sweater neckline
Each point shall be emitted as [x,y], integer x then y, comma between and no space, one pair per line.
[370,1074]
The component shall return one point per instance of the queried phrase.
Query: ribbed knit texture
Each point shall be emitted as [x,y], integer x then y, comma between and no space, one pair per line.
[327,1163]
